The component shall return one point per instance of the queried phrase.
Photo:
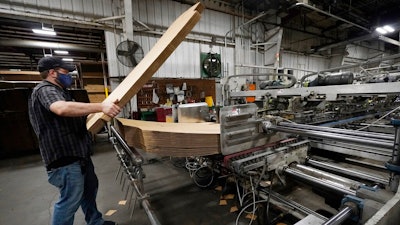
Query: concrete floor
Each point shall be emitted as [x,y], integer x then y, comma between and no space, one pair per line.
[27,198]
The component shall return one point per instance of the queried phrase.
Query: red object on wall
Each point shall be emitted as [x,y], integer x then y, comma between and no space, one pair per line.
[162,113]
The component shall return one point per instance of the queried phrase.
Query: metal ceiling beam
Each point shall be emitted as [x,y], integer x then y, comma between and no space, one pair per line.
[342,43]
[388,40]
[331,15]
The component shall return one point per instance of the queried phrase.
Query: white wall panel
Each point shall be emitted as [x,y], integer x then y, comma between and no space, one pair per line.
[159,15]
[163,13]
[76,9]
[103,8]
[157,20]
[87,8]
[150,16]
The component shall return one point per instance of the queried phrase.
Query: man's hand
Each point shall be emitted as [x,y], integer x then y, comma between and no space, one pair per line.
[111,109]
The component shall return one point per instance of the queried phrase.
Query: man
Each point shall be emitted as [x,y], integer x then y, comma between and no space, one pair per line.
[65,144]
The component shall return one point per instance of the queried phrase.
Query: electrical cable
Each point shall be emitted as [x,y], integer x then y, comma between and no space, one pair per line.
[197,183]
[362,128]
[194,168]
[254,200]
[238,193]
[240,213]
[262,172]
[269,197]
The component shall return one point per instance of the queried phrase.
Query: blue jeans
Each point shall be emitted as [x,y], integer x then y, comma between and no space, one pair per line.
[76,189]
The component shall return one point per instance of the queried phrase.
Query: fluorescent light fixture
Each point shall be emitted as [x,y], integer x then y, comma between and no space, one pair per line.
[381,30]
[385,29]
[61,52]
[44,31]
[388,28]
[68,59]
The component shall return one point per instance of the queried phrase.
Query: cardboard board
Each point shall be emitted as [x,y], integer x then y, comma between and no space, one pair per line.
[171,139]
[135,80]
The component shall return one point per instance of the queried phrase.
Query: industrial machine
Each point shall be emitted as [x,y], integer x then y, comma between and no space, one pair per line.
[322,153]
[335,175]
[326,153]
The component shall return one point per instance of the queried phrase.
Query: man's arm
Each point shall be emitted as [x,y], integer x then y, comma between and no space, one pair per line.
[72,109]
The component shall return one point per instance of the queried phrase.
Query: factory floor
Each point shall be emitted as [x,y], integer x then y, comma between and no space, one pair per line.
[27,198]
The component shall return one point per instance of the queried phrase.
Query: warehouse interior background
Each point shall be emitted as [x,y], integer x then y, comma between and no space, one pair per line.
[310,62]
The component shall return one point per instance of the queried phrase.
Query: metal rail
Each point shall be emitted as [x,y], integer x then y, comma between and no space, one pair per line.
[340,217]
[342,170]
[131,162]
[365,134]
[335,136]
[319,182]
[295,208]
[328,177]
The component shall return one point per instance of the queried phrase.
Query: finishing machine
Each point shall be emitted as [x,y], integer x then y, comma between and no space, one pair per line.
[335,175]
[290,161]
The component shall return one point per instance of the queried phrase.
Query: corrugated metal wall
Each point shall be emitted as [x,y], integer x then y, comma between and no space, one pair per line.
[159,15]
[185,60]
[303,63]
[74,9]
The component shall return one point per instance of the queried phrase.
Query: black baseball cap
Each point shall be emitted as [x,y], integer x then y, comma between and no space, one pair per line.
[50,62]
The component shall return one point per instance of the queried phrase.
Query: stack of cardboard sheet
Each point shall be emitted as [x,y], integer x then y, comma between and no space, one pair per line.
[171,139]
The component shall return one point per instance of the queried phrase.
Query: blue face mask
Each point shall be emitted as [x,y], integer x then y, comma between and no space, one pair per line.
[65,79]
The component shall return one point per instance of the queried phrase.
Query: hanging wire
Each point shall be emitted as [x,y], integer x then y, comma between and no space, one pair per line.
[243,196]
[254,201]
[244,208]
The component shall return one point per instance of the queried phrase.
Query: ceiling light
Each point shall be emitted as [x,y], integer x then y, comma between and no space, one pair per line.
[388,28]
[381,30]
[61,52]
[44,31]
[68,59]
[385,29]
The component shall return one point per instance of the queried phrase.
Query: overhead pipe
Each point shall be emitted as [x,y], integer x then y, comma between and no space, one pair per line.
[45,44]
[244,24]
[20,14]
[294,80]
